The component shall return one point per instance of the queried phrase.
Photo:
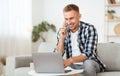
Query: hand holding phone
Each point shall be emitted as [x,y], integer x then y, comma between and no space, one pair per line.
[63,31]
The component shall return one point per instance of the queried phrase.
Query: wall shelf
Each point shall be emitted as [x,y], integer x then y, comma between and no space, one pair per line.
[112,5]
[110,24]
[113,35]
[113,20]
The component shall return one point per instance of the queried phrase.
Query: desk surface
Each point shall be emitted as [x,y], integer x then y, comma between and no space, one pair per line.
[33,73]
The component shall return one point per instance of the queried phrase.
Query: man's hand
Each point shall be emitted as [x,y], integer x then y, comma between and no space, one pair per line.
[67,62]
[80,58]
[63,32]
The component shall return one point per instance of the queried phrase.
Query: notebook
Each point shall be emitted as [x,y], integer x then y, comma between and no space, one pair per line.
[48,62]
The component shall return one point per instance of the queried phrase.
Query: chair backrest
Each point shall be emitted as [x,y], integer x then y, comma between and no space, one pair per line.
[109,53]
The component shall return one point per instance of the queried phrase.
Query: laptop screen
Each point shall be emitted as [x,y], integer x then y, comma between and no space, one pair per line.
[49,62]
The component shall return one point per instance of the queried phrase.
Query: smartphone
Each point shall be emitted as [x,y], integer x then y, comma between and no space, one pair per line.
[67,27]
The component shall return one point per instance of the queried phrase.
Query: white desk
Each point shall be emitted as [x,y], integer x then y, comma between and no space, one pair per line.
[33,73]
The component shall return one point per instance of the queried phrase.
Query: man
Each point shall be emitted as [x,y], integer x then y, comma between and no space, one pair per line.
[79,41]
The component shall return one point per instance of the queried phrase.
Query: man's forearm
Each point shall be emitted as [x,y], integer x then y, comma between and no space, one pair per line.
[79,58]
[75,59]
[60,46]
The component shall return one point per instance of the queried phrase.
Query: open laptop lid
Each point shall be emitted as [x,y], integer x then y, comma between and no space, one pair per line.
[49,62]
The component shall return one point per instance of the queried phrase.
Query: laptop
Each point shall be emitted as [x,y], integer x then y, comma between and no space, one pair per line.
[48,62]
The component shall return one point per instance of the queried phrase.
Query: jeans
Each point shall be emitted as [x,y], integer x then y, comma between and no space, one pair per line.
[90,68]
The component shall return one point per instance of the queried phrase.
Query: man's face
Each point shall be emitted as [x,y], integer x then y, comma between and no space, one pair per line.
[72,20]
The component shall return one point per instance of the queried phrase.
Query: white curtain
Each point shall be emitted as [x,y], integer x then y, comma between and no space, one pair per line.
[15,18]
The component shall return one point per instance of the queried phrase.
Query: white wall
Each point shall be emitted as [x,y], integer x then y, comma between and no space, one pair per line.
[52,11]
[37,11]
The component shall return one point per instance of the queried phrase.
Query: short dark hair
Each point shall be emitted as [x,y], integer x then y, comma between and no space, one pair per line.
[70,7]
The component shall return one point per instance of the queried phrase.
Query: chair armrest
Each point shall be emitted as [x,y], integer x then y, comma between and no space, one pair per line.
[14,62]
[10,66]
[23,61]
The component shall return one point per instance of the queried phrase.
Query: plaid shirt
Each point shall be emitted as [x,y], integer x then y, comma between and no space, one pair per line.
[87,40]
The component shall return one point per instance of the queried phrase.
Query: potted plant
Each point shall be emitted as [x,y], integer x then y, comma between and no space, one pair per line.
[38,30]
[110,14]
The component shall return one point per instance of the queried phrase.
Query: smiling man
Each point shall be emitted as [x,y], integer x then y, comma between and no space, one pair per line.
[78,40]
